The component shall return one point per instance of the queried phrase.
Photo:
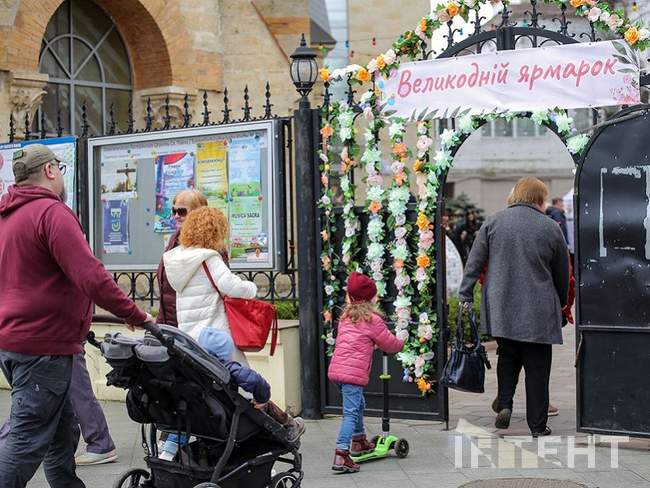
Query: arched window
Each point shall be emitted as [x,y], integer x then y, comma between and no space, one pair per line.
[86,60]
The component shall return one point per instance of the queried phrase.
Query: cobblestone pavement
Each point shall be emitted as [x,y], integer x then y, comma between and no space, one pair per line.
[435,452]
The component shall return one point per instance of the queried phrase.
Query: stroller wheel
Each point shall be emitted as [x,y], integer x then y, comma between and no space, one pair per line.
[132,479]
[206,485]
[284,480]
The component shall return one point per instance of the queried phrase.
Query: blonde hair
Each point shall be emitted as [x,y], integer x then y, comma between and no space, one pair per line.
[205,227]
[361,312]
[195,197]
[529,190]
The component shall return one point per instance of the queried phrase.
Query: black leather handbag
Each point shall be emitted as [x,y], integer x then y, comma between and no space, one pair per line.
[465,368]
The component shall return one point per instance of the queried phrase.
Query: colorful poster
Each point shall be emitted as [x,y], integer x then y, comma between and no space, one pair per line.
[248,243]
[212,172]
[119,179]
[64,147]
[174,173]
[244,167]
[6,171]
[116,227]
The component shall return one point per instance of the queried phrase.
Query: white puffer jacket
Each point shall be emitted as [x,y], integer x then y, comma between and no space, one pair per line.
[198,305]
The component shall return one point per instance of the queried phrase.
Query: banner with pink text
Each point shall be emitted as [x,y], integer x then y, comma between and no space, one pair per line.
[570,76]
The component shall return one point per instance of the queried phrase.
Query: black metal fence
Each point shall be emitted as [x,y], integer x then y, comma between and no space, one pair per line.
[142,286]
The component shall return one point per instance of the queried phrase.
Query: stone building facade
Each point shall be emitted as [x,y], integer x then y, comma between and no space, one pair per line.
[172,47]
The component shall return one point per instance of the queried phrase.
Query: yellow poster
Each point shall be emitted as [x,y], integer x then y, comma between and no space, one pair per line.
[212,171]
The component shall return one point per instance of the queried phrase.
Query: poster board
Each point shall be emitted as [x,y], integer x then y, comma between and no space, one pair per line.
[134,178]
[64,147]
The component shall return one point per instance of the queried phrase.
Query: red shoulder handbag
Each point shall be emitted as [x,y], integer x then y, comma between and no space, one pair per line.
[250,320]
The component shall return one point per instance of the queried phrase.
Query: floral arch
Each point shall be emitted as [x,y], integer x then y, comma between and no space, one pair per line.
[389,237]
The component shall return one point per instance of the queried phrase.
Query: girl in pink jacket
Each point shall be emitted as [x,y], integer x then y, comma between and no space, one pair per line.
[361,329]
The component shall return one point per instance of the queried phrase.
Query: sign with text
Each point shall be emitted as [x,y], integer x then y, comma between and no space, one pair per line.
[570,76]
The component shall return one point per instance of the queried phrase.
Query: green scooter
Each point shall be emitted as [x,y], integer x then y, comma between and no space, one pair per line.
[385,443]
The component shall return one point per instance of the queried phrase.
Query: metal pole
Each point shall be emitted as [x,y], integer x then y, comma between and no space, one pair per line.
[307,258]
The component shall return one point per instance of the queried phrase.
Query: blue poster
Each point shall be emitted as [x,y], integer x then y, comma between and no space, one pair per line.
[116,227]
[174,173]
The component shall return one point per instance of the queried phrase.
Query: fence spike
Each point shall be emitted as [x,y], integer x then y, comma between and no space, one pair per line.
[246,108]
[84,120]
[226,111]
[167,118]
[27,128]
[43,131]
[327,98]
[148,118]
[268,111]
[12,127]
[129,117]
[206,112]
[187,116]
[59,126]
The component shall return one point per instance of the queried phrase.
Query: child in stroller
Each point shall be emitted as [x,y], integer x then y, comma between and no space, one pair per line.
[176,386]
[220,345]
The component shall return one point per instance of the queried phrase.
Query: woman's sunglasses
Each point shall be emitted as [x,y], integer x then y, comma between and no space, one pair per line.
[181,212]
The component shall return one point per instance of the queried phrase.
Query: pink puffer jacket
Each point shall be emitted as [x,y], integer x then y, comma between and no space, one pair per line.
[352,358]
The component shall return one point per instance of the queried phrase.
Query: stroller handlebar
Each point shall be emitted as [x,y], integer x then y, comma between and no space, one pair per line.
[150,327]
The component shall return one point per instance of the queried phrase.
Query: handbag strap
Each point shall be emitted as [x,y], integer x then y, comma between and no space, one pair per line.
[207,272]
[472,322]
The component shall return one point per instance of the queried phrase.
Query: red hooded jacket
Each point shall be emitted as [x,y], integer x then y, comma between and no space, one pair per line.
[50,277]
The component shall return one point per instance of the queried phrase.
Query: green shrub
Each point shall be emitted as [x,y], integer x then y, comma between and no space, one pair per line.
[452,316]
[287,310]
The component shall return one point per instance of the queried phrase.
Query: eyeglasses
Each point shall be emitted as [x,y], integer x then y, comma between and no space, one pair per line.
[62,168]
[181,212]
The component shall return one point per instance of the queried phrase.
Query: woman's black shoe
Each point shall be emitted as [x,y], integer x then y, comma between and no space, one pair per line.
[543,433]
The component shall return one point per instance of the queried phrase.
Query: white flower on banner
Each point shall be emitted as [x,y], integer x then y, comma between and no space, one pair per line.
[540,117]
[644,34]
[396,128]
[466,124]
[604,17]
[347,208]
[375,179]
[564,123]
[376,263]
[375,251]
[329,339]
[442,159]
[346,119]
[400,233]
[400,219]
[424,317]
[323,157]
[614,22]
[368,114]
[448,137]
[337,74]
[345,183]
[375,193]
[403,302]
[375,228]
[390,56]
[345,133]
[325,200]
[471,3]
[402,280]
[371,156]
[424,142]
[372,66]
[329,289]
[400,252]
[577,144]
[403,335]
[594,14]
[426,331]
[428,356]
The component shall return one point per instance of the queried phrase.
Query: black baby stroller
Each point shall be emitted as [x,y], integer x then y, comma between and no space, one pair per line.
[176,387]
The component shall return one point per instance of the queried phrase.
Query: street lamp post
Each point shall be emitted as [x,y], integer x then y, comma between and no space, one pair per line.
[304,72]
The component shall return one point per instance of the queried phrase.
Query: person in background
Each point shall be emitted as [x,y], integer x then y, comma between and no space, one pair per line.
[183,203]
[526,286]
[360,330]
[465,234]
[556,212]
[50,280]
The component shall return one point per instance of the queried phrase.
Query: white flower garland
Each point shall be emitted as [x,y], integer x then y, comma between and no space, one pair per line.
[375,194]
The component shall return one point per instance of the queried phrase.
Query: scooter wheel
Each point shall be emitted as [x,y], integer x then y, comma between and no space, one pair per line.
[401,448]
[132,479]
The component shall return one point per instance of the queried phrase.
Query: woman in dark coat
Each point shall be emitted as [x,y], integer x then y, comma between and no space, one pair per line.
[526,287]
[184,202]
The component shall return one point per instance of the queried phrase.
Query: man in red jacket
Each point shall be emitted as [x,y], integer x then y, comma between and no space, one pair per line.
[50,279]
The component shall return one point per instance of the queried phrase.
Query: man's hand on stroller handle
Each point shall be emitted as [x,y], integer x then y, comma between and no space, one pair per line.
[148,320]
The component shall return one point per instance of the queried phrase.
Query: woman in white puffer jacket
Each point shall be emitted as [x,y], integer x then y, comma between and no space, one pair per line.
[200,309]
